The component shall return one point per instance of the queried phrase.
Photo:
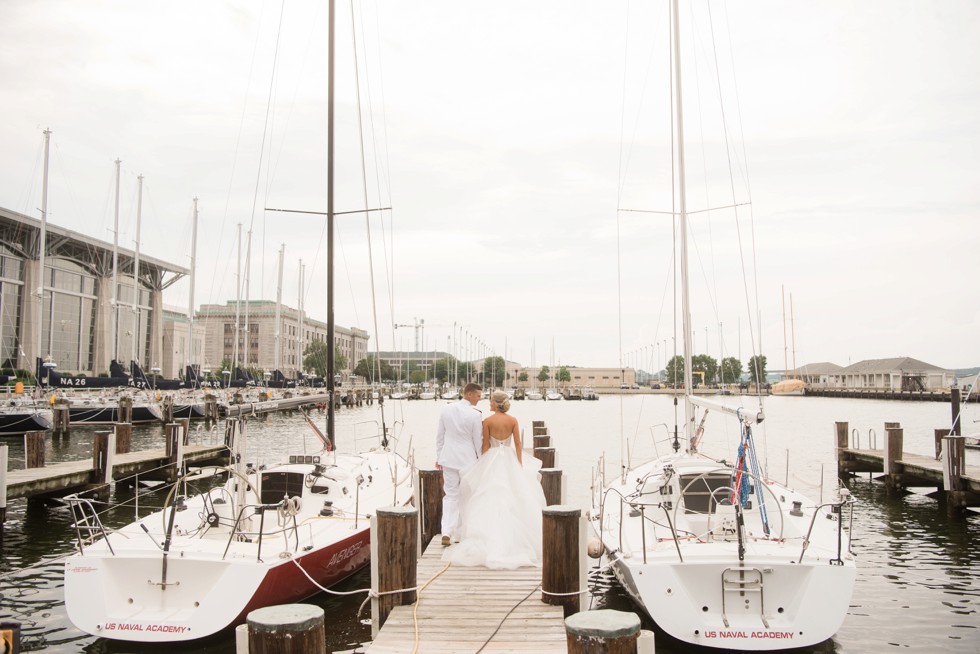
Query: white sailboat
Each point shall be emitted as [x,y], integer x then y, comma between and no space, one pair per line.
[269,535]
[718,554]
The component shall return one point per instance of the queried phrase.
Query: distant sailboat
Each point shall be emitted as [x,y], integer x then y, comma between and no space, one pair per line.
[792,386]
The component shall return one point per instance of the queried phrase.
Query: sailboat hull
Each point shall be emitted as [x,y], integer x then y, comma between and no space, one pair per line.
[300,526]
[795,608]
[203,595]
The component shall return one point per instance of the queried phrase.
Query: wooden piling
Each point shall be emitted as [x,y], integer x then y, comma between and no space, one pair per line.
[124,412]
[34,449]
[167,408]
[175,449]
[602,632]
[10,637]
[537,423]
[954,467]
[3,489]
[561,551]
[185,430]
[841,430]
[124,437]
[394,533]
[893,453]
[103,449]
[954,403]
[60,412]
[546,455]
[542,441]
[286,629]
[939,435]
[551,484]
[430,504]
[539,430]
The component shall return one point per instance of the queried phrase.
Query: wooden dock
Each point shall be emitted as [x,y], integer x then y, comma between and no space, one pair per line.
[61,478]
[954,480]
[464,609]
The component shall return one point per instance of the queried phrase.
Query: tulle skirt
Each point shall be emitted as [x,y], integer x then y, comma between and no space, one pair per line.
[500,512]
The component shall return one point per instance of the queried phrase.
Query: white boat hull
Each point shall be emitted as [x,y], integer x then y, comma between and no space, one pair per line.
[685,601]
[675,546]
[219,567]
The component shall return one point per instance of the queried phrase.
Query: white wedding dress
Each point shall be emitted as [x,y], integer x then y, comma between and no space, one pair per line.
[500,511]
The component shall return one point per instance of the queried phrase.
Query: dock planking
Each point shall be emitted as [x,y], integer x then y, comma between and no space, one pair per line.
[57,477]
[957,483]
[470,608]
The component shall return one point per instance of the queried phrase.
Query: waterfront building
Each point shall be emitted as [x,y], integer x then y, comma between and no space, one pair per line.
[258,350]
[176,343]
[74,309]
[597,378]
[894,374]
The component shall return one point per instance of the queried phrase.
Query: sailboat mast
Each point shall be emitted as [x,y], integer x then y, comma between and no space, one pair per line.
[782,292]
[331,363]
[682,200]
[115,268]
[190,295]
[42,245]
[238,300]
[248,294]
[792,332]
[299,304]
[278,332]
[136,273]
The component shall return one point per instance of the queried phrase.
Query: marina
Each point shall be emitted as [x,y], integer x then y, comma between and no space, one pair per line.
[265,469]
[915,584]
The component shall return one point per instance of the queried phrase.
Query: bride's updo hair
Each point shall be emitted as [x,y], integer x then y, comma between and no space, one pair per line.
[501,400]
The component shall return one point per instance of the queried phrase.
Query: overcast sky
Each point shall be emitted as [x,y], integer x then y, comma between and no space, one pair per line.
[521,147]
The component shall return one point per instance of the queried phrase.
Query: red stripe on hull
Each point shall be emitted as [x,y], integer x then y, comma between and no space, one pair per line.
[285,583]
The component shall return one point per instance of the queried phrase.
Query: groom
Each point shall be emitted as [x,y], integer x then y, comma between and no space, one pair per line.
[458,443]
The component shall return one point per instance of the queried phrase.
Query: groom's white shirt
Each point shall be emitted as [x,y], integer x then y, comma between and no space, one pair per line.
[459,436]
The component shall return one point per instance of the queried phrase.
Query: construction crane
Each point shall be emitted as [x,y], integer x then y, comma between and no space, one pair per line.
[419,326]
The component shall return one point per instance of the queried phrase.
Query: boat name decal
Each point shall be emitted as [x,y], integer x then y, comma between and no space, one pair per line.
[749,634]
[135,626]
[344,554]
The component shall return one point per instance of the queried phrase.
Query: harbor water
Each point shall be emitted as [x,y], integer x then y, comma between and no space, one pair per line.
[918,585]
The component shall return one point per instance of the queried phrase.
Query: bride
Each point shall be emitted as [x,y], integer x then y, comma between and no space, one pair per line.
[500,499]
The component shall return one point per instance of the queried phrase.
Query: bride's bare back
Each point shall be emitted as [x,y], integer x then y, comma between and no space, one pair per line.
[501,426]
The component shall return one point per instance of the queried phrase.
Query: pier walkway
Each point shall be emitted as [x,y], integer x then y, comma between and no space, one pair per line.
[955,481]
[470,609]
[60,478]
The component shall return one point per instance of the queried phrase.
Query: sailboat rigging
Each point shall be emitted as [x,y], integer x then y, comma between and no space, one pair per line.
[269,535]
[717,554]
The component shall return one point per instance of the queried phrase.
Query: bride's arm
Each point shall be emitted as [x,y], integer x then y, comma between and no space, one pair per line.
[486,438]
[517,441]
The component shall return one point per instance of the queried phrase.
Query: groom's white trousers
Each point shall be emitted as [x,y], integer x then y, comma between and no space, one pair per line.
[450,502]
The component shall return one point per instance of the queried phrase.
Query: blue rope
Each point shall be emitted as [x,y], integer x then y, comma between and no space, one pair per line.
[759,491]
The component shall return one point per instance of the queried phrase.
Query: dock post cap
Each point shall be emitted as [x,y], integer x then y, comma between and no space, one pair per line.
[562,510]
[285,617]
[397,510]
[603,623]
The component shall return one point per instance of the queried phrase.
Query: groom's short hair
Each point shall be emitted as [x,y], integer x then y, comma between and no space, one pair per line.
[469,388]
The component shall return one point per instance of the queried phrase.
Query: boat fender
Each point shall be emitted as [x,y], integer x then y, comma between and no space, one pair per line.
[595,548]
